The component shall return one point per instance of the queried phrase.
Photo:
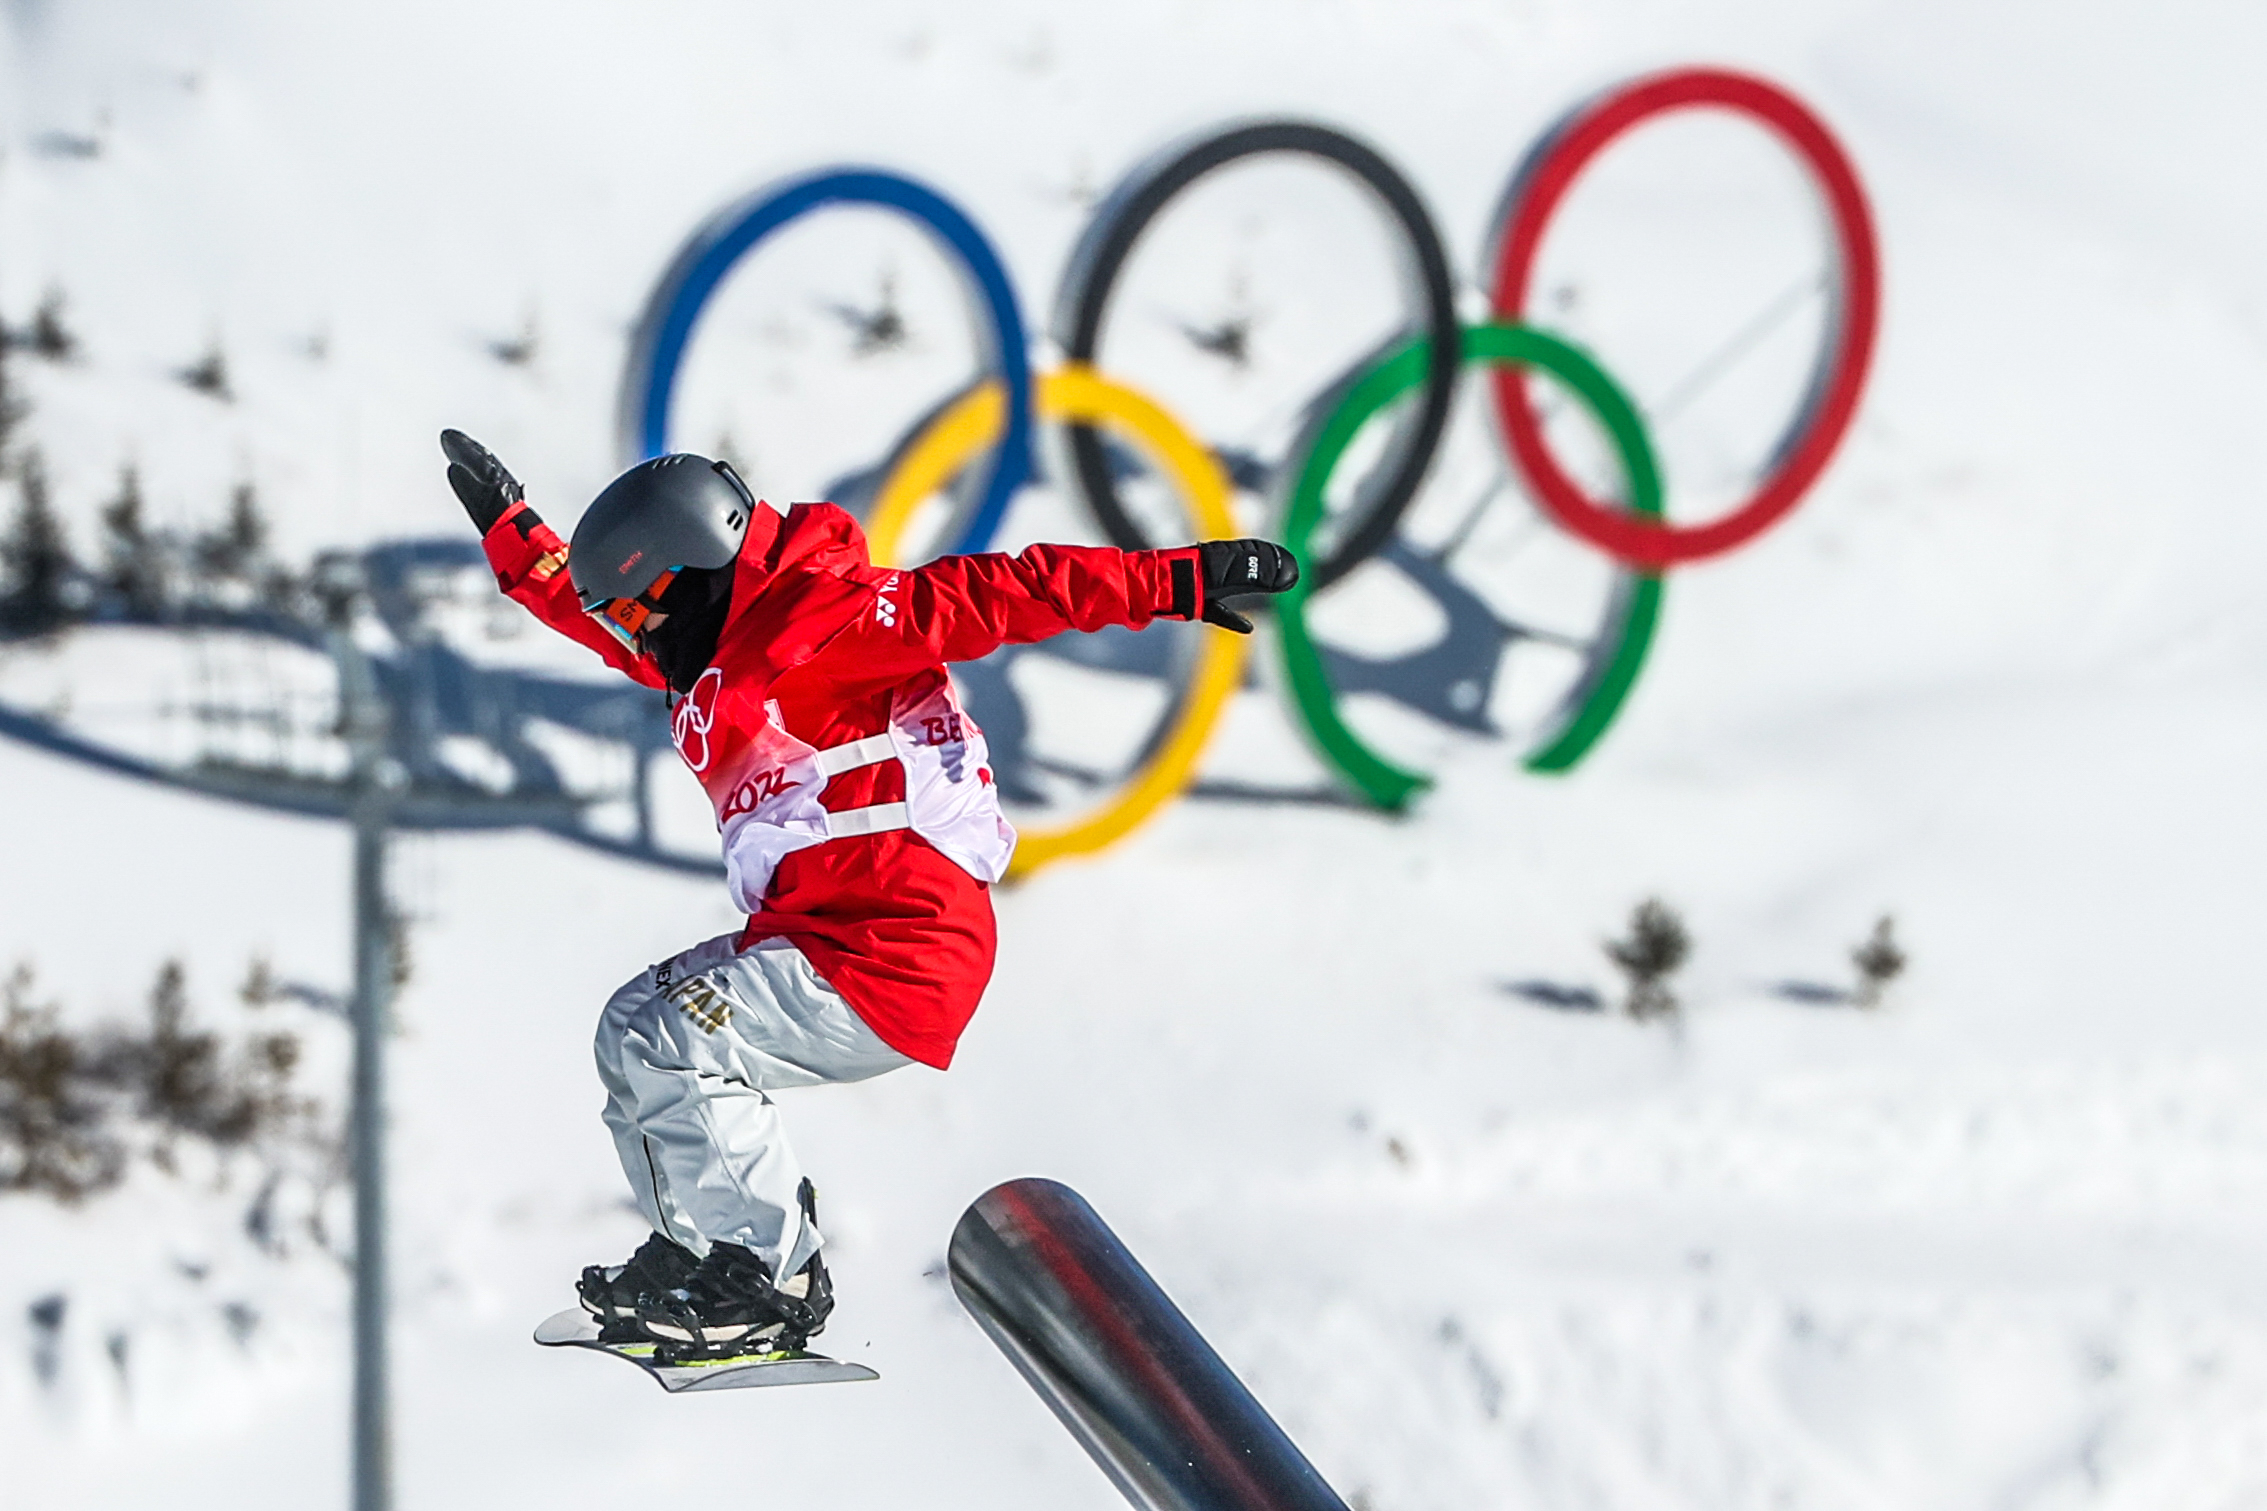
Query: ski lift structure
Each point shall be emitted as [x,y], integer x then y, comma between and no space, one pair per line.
[246,703]
[354,695]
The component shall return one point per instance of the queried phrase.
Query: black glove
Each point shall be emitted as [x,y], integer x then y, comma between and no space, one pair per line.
[1241,569]
[482,484]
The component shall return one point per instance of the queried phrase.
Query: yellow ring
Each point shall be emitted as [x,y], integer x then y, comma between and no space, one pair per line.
[1078,392]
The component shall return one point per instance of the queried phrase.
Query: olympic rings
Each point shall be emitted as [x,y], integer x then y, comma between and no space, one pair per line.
[1001,411]
[657,348]
[1079,393]
[1835,382]
[1594,701]
[1083,303]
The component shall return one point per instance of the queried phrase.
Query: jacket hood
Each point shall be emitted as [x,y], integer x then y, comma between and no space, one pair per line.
[794,588]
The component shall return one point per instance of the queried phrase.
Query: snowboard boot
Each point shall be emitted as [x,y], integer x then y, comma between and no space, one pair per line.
[613,1293]
[730,1307]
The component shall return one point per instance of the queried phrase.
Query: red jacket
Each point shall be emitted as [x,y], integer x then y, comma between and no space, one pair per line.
[823,641]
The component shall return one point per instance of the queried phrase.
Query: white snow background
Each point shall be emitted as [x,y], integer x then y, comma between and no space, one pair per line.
[2000,1244]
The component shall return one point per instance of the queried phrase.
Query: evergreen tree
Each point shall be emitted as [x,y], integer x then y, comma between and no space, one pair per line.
[233,551]
[209,375]
[50,337]
[247,526]
[1657,945]
[13,410]
[1880,960]
[35,555]
[133,565]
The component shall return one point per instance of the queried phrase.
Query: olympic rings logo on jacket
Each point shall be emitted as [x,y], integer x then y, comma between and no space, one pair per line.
[999,415]
[690,719]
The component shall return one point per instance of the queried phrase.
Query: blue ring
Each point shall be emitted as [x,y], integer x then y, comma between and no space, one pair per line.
[657,349]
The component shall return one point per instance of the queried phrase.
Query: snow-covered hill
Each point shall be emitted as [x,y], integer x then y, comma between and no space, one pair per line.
[1999,1244]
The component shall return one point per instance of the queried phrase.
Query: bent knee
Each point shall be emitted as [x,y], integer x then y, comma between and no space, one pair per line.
[628,1014]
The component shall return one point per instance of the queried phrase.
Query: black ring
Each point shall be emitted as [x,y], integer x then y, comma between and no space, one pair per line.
[1118,223]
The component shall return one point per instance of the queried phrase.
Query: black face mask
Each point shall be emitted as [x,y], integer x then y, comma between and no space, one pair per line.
[696,604]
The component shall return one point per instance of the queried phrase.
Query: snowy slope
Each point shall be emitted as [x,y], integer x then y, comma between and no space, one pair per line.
[1998,1245]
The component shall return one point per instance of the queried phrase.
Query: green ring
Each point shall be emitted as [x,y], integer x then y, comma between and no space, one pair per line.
[1383,783]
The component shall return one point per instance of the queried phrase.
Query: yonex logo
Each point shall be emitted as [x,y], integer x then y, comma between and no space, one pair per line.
[885,608]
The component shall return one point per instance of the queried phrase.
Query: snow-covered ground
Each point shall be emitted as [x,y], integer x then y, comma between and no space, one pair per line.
[1999,1244]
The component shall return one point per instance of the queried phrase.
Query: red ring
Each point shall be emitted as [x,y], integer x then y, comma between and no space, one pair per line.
[1833,398]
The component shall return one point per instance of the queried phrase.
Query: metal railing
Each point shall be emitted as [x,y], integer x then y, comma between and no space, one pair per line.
[1127,1373]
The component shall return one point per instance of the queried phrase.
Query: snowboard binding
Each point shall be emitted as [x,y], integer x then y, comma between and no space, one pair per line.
[730,1307]
[612,1294]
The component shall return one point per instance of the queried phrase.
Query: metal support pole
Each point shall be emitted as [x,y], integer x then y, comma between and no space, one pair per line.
[375,777]
[1135,1383]
[373,987]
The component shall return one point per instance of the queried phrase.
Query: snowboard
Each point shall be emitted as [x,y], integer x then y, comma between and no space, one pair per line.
[575,1328]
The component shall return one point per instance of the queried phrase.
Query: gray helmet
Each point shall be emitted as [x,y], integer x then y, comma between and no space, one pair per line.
[673,511]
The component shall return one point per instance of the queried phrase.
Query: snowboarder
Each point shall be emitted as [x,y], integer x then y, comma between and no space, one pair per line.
[861,832]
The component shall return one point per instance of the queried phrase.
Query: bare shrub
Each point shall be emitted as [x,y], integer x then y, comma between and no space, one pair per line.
[74,1108]
[56,1136]
[191,1083]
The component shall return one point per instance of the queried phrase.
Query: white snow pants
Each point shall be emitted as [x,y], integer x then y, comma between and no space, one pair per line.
[687,1052]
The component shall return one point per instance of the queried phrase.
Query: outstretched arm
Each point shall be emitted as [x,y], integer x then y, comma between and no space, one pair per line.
[960,608]
[529,558]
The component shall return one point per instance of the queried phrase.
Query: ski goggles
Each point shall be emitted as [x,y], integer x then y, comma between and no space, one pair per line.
[625,618]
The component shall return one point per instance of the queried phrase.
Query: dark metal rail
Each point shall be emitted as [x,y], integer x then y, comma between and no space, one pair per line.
[1105,1347]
